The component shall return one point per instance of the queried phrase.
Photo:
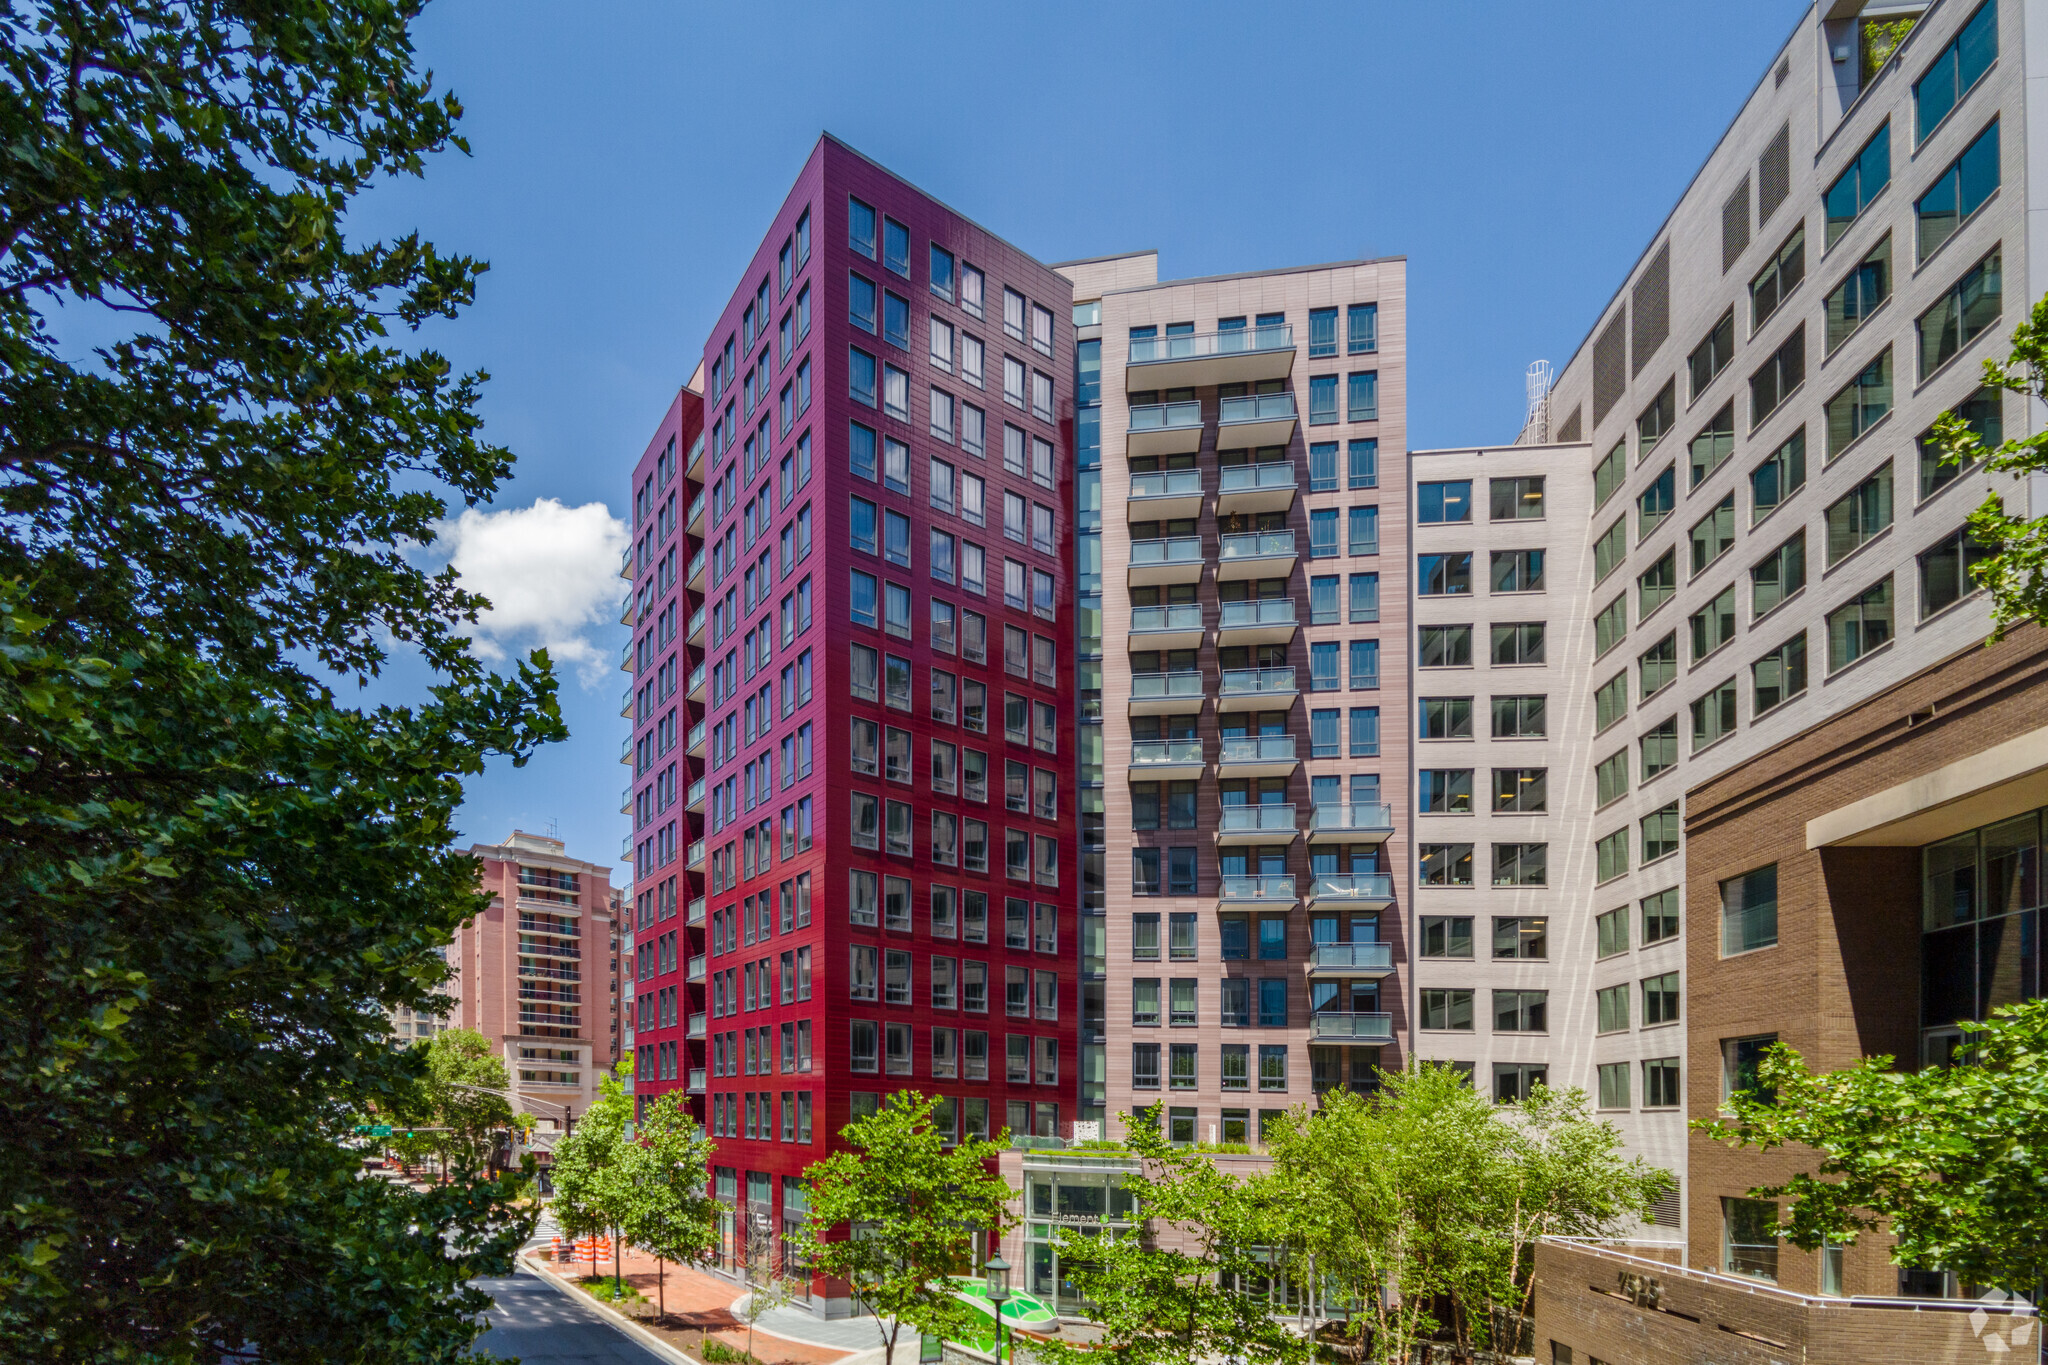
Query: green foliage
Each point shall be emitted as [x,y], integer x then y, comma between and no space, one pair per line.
[1171,1296]
[1952,1161]
[209,896]
[215,879]
[1881,38]
[459,1099]
[669,1211]
[910,1204]
[718,1353]
[609,1290]
[593,1164]
[2015,570]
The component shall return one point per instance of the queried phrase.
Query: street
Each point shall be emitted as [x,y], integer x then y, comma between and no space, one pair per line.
[543,1326]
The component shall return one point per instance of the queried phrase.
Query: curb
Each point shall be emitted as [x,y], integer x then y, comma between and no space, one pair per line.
[851,1355]
[606,1311]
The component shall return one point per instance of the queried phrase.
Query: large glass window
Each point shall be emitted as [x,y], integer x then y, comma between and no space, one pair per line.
[1859,182]
[1859,294]
[1983,413]
[1782,473]
[1787,268]
[1964,313]
[1959,67]
[1782,373]
[1860,625]
[1749,911]
[1960,192]
[1858,405]
[1859,514]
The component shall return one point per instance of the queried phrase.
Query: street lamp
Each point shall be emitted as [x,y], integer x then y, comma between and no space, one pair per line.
[998,1272]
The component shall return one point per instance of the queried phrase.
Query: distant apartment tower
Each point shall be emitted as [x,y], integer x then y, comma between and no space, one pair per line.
[534,972]
[1243,687]
[663,951]
[884,605]
[1767,559]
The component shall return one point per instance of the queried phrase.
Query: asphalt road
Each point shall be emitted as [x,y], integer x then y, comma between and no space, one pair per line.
[543,1326]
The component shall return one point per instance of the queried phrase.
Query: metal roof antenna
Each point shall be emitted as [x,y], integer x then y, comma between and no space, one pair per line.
[1536,426]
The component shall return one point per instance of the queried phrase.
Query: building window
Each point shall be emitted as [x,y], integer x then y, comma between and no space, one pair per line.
[1713,715]
[1362,328]
[1611,855]
[1520,1011]
[1860,625]
[1444,791]
[1859,182]
[1964,313]
[1960,192]
[1611,1005]
[1445,647]
[1322,400]
[1443,503]
[1713,625]
[1516,570]
[1521,937]
[1982,412]
[1749,1238]
[1447,935]
[1614,1085]
[1437,575]
[1446,865]
[1655,502]
[1945,571]
[1520,790]
[1517,499]
[1514,1081]
[1517,643]
[1859,294]
[1363,463]
[1322,332]
[1447,1009]
[1786,269]
[1660,1084]
[1860,403]
[1956,71]
[1778,675]
[1660,999]
[1660,917]
[1362,396]
[1144,1066]
[1518,717]
[1712,355]
[1749,911]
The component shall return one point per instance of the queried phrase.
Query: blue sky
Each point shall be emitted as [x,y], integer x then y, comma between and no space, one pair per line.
[627,156]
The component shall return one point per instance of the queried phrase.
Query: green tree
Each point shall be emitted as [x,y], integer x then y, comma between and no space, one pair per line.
[595,1167]
[465,1088]
[671,1213]
[217,879]
[2015,563]
[1951,1160]
[894,1214]
[1178,1293]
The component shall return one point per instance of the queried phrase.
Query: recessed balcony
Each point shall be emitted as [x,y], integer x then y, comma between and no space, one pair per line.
[1369,960]
[1257,756]
[1160,760]
[1257,419]
[1177,560]
[695,859]
[1342,1026]
[1262,621]
[1262,824]
[696,1081]
[695,522]
[1164,495]
[1372,890]
[1174,627]
[1257,689]
[696,633]
[697,1025]
[694,465]
[1165,429]
[1256,554]
[696,688]
[696,574]
[695,800]
[1246,488]
[1256,892]
[1359,822]
[696,910]
[696,968]
[1243,355]
[696,741]
[1166,694]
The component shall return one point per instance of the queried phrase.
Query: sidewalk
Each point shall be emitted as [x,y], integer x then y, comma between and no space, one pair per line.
[700,1305]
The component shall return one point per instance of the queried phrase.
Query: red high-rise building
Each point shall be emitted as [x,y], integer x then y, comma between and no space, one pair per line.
[884,605]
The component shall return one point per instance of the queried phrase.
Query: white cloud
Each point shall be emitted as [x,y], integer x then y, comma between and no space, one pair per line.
[551,574]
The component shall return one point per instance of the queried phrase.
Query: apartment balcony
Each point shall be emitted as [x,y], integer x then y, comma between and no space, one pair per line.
[554,927]
[1256,554]
[1243,355]
[1261,824]
[1164,495]
[1166,694]
[696,911]
[1367,890]
[626,800]
[695,745]
[1257,756]
[1163,760]
[696,968]
[626,564]
[1165,429]
[1369,960]
[626,658]
[694,465]
[1244,488]
[696,687]
[1256,892]
[626,848]
[695,800]
[697,1025]
[1257,689]
[695,858]
[529,972]
[1261,621]
[696,1081]
[695,577]
[1174,627]
[1362,822]
[694,523]
[1178,560]
[696,631]
[1341,1026]
[626,704]
[1258,419]
[626,609]
[626,749]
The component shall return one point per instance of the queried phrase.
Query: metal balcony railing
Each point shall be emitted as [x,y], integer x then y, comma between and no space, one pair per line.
[1358,1026]
[1255,478]
[1146,554]
[1166,686]
[1376,957]
[1165,416]
[1269,611]
[1360,815]
[1261,819]
[1256,407]
[1257,748]
[1165,752]
[1197,345]
[1352,886]
[1183,616]
[1258,889]
[1257,545]
[1257,682]
[1169,483]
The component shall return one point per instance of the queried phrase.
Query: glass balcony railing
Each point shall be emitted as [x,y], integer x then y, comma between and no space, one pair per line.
[1262,819]
[1258,545]
[696,1080]
[696,623]
[696,971]
[1196,346]
[696,796]
[625,800]
[697,1025]
[1258,889]
[696,679]
[1256,407]
[626,563]
[1256,478]
[696,453]
[696,566]
[1258,682]
[1358,1026]
[1257,749]
[1180,550]
[697,910]
[626,609]
[697,736]
[1170,483]
[1353,886]
[626,750]
[1363,957]
[1360,816]
[1166,417]
[1273,611]
[1183,616]
[696,509]
[696,857]
[626,848]
[1165,752]
[626,704]
[626,657]
[1166,687]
